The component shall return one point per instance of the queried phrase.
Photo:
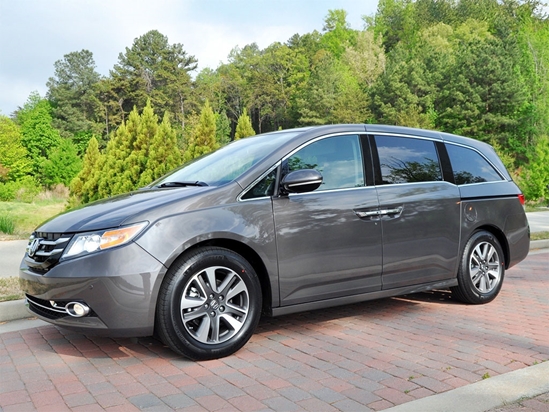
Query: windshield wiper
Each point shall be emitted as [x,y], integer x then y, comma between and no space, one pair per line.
[182,184]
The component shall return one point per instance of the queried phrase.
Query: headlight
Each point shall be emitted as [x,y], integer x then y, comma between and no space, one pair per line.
[84,243]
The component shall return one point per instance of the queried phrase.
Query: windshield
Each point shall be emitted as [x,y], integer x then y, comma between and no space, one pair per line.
[227,163]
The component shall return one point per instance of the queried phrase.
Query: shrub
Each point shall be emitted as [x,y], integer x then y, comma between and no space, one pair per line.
[23,190]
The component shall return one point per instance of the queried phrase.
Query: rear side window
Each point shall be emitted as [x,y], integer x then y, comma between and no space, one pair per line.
[407,160]
[470,167]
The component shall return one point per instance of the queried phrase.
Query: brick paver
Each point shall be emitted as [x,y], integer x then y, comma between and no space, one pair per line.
[367,356]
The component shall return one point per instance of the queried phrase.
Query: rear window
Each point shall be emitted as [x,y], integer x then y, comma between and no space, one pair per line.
[470,167]
[407,160]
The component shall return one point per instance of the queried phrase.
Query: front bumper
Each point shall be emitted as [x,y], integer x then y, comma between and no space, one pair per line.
[119,285]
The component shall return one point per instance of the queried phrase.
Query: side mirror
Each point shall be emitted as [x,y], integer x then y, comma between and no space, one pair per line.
[301,181]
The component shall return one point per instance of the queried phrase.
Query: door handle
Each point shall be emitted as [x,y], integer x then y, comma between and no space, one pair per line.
[395,211]
[363,214]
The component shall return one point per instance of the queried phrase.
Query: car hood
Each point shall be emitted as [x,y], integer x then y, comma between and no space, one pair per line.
[117,210]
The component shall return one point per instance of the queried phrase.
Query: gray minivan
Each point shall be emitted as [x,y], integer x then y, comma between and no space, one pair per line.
[288,221]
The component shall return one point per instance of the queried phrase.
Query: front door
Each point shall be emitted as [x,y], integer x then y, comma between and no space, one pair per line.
[329,240]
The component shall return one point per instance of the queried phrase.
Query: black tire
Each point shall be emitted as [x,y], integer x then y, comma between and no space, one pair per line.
[203,322]
[481,270]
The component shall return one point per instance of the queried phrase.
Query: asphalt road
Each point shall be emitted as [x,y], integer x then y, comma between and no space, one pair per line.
[12,251]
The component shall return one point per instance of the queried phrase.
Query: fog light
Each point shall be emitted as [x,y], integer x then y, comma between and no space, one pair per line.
[77,309]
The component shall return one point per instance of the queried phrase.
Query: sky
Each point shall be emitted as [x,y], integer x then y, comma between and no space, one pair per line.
[36,33]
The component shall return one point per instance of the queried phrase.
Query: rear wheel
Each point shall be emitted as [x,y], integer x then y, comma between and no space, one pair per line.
[209,304]
[481,269]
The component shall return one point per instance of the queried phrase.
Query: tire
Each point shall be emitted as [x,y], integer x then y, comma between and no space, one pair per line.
[203,322]
[481,270]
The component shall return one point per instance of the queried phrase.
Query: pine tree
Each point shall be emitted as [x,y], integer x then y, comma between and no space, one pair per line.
[202,139]
[84,186]
[136,163]
[164,155]
[243,127]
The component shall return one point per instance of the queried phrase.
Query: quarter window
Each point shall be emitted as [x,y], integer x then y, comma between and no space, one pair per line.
[407,160]
[470,167]
[338,159]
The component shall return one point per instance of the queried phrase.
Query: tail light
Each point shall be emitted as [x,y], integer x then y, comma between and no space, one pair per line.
[521,199]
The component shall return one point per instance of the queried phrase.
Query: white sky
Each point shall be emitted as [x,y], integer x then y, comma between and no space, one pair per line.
[36,33]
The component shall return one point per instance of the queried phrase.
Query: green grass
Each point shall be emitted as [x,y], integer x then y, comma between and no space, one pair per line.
[9,289]
[7,224]
[23,218]
[539,235]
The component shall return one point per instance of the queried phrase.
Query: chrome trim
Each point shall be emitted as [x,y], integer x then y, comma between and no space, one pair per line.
[52,307]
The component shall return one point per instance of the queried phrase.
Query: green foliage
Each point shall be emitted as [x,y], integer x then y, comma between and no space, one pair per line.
[139,152]
[85,185]
[222,129]
[164,155]
[7,224]
[22,190]
[203,137]
[76,110]
[534,180]
[39,137]
[14,163]
[62,165]
[153,69]
[244,127]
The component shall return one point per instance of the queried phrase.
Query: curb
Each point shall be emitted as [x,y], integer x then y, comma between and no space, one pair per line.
[485,395]
[13,310]
[16,309]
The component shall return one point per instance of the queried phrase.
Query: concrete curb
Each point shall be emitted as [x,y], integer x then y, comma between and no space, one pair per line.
[487,394]
[13,310]
[16,309]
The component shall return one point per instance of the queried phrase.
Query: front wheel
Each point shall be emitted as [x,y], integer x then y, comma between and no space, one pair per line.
[481,269]
[209,304]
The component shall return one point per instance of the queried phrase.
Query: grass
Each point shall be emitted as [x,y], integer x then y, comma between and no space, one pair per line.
[7,224]
[20,219]
[9,289]
[539,235]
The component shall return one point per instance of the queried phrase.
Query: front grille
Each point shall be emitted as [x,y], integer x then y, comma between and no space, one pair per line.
[44,250]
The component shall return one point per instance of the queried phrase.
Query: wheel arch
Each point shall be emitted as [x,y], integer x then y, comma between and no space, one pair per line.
[247,253]
[500,236]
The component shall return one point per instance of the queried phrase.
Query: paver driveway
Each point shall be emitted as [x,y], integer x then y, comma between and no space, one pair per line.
[371,355]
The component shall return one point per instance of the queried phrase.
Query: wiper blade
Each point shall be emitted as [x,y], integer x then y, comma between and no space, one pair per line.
[182,184]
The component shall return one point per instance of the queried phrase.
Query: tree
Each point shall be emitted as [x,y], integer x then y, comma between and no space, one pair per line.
[164,155]
[62,165]
[338,34]
[222,129]
[146,128]
[14,162]
[72,95]
[84,187]
[39,137]
[202,139]
[244,127]
[153,69]
[534,180]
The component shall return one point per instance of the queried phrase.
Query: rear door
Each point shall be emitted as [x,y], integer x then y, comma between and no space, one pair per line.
[329,240]
[420,212]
